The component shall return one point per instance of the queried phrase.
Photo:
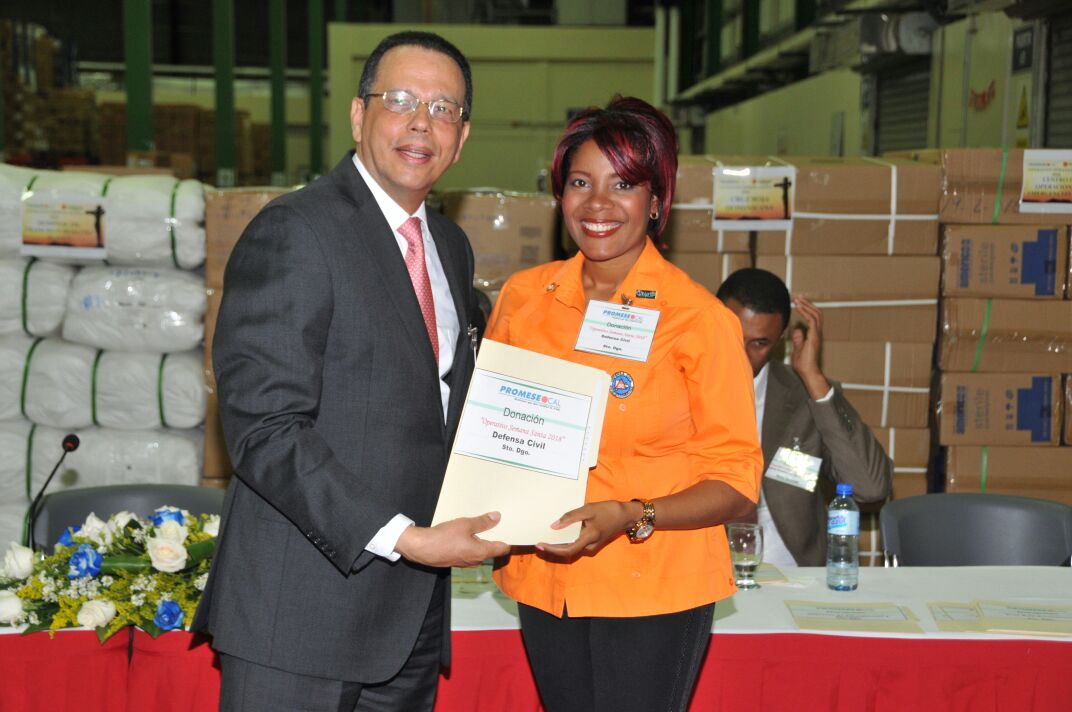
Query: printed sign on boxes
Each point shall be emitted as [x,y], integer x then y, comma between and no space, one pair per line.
[1000,409]
[1025,262]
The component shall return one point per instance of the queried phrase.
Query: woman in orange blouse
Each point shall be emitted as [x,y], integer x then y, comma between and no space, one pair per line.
[620,618]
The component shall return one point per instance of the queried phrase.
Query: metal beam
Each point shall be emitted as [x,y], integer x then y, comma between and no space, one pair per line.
[340,10]
[713,31]
[316,88]
[138,55]
[277,47]
[687,31]
[223,58]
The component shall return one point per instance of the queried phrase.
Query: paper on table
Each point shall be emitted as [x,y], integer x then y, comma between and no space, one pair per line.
[529,432]
[1034,618]
[953,617]
[771,574]
[866,617]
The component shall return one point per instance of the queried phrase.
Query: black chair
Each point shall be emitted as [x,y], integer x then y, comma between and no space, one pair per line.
[66,508]
[974,529]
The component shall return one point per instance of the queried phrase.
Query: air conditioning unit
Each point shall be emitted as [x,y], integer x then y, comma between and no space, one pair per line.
[870,37]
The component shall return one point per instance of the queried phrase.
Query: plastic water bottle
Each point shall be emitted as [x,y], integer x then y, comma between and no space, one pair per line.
[842,541]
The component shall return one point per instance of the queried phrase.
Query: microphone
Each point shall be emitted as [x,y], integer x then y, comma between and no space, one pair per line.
[70,444]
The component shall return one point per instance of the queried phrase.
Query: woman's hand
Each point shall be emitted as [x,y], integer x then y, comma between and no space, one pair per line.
[600,522]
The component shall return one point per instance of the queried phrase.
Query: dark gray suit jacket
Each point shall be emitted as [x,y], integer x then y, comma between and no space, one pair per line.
[832,431]
[330,402]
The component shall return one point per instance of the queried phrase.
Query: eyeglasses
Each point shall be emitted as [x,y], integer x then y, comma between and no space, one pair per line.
[402,102]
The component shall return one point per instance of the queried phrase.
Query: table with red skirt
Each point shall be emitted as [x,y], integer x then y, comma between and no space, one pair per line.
[758,658]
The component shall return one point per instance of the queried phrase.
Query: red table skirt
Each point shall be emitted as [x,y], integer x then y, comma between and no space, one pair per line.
[177,673]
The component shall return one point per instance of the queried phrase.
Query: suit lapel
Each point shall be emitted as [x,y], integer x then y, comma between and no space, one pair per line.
[378,239]
[777,409]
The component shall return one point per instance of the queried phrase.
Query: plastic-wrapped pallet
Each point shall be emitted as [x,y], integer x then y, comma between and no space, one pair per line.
[33,296]
[106,457]
[146,220]
[67,385]
[13,499]
[135,309]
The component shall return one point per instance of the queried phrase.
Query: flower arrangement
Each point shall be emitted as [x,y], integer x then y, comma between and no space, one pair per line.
[111,574]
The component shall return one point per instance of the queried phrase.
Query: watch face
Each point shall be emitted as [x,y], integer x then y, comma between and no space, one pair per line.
[644,531]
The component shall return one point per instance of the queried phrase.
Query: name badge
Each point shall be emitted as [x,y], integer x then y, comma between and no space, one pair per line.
[617,330]
[795,467]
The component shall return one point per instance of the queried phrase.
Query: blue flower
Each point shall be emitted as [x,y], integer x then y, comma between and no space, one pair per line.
[167,514]
[168,615]
[65,538]
[85,562]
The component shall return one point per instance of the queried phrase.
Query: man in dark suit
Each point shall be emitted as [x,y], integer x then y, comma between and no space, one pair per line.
[343,351]
[811,436]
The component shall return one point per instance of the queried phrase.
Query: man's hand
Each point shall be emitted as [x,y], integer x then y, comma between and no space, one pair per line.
[807,347]
[600,522]
[453,543]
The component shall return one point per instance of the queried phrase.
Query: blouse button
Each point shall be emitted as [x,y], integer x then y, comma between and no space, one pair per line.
[636,574]
[621,407]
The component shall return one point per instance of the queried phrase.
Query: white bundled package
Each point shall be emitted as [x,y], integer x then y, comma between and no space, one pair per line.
[14,350]
[13,454]
[116,457]
[67,385]
[155,220]
[33,296]
[143,220]
[136,309]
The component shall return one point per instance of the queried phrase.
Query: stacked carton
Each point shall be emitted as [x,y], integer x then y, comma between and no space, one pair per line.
[706,254]
[1006,331]
[862,246]
[508,232]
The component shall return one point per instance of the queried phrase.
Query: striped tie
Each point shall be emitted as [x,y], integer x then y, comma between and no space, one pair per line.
[418,273]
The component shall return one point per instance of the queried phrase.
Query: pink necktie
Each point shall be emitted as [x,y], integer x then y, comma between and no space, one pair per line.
[418,274]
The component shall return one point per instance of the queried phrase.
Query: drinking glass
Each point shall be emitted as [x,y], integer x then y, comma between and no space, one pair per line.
[746,552]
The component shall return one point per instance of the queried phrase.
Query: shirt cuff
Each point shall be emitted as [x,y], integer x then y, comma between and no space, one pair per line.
[828,396]
[383,544]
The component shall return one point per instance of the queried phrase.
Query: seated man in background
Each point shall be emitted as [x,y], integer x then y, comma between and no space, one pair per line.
[811,436]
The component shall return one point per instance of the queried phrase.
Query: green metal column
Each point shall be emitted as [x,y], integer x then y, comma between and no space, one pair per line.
[750,28]
[340,10]
[223,59]
[713,30]
[138,53]
[804,13]
[316,88]
[688,44]
[277,47]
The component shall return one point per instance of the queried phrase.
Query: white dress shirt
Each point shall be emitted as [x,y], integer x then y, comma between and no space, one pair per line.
[447,329]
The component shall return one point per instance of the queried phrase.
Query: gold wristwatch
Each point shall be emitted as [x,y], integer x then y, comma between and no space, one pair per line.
[643,527]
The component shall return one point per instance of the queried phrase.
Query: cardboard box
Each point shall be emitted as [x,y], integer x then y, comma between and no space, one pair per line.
[910,450]
[216,482]
[917,323]
[689,230]
[827,236]
[708,268]
[895,410]
[1004,335]
[212,311]
[857,278]
[1025,262]
[1037,472]
[217,461]
[508,231]
[1000,409]
[899,364]
[227,213]
[971,193]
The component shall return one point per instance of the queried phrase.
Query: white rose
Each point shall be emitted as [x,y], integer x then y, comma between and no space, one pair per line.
[94,528]
[118,521]
[172,531]
[212,525]
[18,562]
[10,608]
[166,555]
[96,614]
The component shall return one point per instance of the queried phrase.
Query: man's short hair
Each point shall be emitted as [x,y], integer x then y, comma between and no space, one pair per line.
[426,40]
[759,290]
